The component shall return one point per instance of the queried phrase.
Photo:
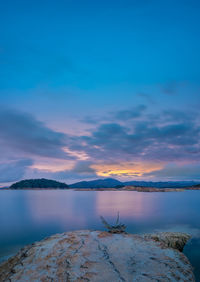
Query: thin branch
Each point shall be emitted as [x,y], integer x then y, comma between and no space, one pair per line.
[117,221]
[117,228]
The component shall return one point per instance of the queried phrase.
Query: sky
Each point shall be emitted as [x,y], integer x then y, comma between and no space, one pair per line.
[93,89]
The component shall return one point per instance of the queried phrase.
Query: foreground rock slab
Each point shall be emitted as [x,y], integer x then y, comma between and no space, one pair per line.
[101,256]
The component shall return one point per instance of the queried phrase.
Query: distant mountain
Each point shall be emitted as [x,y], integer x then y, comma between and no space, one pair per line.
[98,183]
[112,183]
[38,183]
[196,185]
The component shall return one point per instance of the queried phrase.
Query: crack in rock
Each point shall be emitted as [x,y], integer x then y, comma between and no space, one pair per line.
[104,250]
[100,256]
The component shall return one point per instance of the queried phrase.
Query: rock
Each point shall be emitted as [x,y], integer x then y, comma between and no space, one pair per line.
[100,257]
[152,189]
[175,240]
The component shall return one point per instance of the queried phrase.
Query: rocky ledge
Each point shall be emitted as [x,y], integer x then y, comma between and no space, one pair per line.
[101,256]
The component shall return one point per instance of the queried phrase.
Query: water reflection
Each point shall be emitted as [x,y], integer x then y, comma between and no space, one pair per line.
[28,216]
[57,207]
[132,205]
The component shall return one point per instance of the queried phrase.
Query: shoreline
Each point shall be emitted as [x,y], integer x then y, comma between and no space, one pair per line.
[138,189]
[126,188]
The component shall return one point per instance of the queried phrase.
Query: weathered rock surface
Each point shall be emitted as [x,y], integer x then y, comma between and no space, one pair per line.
[175,240]
[101,256]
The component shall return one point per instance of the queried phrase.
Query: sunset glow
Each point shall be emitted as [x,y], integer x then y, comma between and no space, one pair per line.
[126,170]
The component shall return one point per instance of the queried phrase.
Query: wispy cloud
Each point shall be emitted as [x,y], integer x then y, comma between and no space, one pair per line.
[14,170]
[132,136]
[172,137]
[129,114]
[23,133]
[79,171]
[177,171]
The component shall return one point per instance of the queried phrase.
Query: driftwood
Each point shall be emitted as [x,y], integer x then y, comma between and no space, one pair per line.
[117,228]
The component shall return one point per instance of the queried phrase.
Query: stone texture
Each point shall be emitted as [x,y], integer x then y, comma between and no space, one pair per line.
[100,257]
[174,240]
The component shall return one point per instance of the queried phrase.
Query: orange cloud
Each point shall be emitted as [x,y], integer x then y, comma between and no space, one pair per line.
[122,170]
[127,169]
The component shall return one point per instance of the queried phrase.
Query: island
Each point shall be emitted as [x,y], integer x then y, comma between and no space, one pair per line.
[39,184]
[107,184]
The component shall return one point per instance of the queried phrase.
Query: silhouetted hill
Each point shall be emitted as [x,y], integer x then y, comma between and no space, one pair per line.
[98,183]
[38,183]
[197,185]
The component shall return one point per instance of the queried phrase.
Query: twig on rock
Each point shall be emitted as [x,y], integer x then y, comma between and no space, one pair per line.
[117,228]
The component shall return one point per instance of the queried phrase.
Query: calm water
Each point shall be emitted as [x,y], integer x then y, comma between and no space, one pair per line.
[28,216]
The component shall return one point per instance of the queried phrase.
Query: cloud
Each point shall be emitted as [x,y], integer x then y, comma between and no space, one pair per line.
[13,171]
[168,137]
[170,88]
[178,116]
[21,132]
[119,116]
[147,97]
[171,137]
[83,167]
[81,170]
[177,172]
[133,113]
[90,120]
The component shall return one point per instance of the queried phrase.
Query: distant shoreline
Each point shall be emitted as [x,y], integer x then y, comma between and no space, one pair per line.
[126,188]
[139,189]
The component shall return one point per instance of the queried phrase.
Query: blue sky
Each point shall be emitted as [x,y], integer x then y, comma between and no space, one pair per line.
[93,80]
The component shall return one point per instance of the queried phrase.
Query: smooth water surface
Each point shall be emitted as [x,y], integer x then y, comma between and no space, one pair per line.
[28,216]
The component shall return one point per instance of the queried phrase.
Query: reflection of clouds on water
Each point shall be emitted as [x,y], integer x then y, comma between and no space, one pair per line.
[55,206]
[129,204]
[194,232]
[27,215]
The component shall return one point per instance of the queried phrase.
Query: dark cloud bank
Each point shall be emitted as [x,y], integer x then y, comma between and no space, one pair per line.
[164,138]
[24,138]
[132,135]
[14,170]
[23,133]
